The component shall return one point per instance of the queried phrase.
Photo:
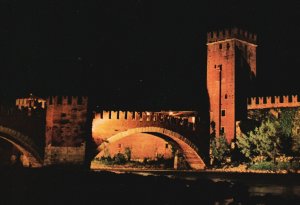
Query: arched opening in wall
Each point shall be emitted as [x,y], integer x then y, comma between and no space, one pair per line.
[143,140]
[9,155]
[12,155]
[140,150]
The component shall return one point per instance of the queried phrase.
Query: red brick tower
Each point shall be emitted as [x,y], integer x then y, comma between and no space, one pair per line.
[231,69]
[65,130]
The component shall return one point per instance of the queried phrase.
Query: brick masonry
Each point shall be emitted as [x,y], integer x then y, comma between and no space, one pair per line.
[231,62]
[65,130]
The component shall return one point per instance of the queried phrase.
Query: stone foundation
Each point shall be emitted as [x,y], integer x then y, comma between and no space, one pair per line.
[64,155]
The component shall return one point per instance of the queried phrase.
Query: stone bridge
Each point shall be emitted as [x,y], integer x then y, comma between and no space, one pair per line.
[60,133]
[182,131]
[26,131]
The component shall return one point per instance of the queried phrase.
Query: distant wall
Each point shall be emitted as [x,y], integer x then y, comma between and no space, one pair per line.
[273,102]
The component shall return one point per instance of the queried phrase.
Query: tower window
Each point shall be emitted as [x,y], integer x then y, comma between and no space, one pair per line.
[228,46]
[225,96]
[167,146]
[223,112]
[220,46]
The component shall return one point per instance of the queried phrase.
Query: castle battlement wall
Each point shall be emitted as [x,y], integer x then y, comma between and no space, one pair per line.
[65,130]
[273,102]
[144,117]
[231,33]
[67,100]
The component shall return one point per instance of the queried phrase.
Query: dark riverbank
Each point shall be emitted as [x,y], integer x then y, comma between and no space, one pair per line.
[69,186]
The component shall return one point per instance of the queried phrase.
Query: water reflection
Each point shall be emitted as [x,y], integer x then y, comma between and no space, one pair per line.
[257,188]
[262,190]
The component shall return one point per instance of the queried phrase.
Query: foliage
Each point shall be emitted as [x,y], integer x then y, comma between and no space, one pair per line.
[296,145]
[128,153]
[160,157]
[285,130]
[219,147]
[265,165]
[263,141]
[120,158]
[123,159]
[105,160]
[220,150]
[261,115]
[286,121]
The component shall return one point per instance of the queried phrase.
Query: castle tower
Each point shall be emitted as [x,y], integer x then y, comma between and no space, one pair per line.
[231,70]
[65,130]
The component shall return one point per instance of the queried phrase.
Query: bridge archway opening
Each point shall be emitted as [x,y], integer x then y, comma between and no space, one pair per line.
[17,155]
[26,154]
[184,148]
[141,145]
[9,154]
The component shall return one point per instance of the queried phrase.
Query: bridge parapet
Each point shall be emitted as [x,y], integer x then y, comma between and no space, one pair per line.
[110,123]
[273,102]
[148,118]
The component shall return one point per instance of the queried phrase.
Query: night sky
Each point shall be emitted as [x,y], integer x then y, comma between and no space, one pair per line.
[139,53]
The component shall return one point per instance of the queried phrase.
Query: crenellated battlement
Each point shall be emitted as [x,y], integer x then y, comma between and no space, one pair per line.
[146,117]
[273,102]
[67,100]
[231,33]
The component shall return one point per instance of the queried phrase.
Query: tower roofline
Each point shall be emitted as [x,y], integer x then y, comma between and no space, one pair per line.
[230,39]
[236,33]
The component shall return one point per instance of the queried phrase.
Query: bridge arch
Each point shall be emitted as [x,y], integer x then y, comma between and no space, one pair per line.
[190,151]
[24,144]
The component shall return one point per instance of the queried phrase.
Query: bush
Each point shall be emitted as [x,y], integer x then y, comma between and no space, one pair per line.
[128,153]
[263,166]
[294,165]
[283,166]
[106,160]
[120,158]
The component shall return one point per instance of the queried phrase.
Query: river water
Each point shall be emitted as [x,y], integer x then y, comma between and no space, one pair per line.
[76,186]
[262,187]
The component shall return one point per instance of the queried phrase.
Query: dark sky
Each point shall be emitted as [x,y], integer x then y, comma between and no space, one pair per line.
[138,53]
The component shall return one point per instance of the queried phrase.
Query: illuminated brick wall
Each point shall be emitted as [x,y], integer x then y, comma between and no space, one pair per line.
[65,130]
[231,65]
